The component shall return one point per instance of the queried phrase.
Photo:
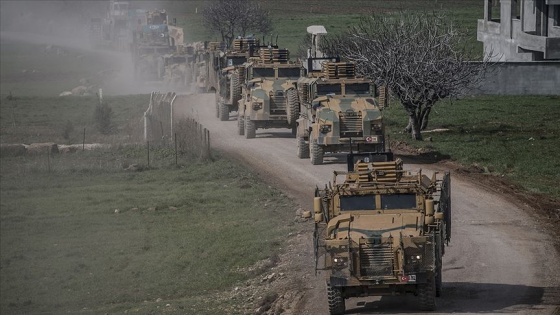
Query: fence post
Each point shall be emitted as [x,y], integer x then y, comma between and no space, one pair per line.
[48,159]
[148,146]
[84,140]
[207,142]
[176,153]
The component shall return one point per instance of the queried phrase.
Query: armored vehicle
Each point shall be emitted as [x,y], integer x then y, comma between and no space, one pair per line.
[382,231]
[151,41]
[270,96]
[114,30]
[232,75]
[338,111]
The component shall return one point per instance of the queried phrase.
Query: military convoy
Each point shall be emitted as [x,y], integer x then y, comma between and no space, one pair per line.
[382,231]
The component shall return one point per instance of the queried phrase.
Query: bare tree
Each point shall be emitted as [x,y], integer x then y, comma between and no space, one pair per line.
[236,17]
[420,57]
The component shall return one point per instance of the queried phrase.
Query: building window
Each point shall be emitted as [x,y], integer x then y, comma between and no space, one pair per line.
[556,14]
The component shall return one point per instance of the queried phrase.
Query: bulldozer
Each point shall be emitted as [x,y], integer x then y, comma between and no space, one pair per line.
[269,97]
[339,111]
[382,231]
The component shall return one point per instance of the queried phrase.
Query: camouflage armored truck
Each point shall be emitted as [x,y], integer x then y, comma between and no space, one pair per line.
[151,40]
[338,111]
[216,71]
[269,98]
[178,67]
[231,76]
[382,231]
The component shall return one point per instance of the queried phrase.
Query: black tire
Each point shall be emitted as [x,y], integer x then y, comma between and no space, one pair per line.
[235,88]
[439,281]
[337,305]
[427,295]
[292,106]
[217,106]
[315,152]
[302,148]
[439,275]
[240,125]
[250,129]
[224,112]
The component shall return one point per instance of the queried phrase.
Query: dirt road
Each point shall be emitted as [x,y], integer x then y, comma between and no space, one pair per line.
[499,259]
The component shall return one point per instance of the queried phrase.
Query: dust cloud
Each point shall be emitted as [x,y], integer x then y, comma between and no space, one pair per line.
[66,24]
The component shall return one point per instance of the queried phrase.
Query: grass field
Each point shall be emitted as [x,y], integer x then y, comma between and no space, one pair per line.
[180,235]
[513,136]
[29,119]
[291,18]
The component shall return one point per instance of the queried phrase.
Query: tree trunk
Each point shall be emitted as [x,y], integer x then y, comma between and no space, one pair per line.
[424,117]
[415,127]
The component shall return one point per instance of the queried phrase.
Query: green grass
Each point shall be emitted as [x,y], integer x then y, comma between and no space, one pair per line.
[65,250]
[291,18]
[513,136]
[28,69]
[29,119]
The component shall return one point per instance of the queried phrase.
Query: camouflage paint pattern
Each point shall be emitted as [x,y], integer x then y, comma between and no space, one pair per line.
[265,97]
[335,120]
[377,239]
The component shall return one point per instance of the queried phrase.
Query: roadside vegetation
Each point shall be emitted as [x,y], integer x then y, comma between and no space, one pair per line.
[511,136]
[90,239]
[102,232]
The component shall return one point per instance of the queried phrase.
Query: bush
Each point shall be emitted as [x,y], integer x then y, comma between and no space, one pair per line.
[102,116]
[67,130]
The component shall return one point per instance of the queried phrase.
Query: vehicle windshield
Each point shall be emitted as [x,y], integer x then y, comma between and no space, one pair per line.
[324,89]
[263,72]
[289,72]
[400,201]
[362,202]
[357,88]
[235,61]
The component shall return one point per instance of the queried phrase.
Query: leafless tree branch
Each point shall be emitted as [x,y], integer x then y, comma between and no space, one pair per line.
[419,56]
[236,17]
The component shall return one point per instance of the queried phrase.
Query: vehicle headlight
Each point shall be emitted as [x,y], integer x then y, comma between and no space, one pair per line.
[415,259]
[340,262]
[325,128]
[376,127]
[257,105]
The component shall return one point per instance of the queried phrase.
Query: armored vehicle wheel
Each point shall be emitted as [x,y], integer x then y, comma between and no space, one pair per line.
[438,255]
[240,125]
[427,295]
[235,88]
[336,301]
[315,152]
[217,107]
[439,281]
[292,106]
[250,129]
[302,148]
[224,112]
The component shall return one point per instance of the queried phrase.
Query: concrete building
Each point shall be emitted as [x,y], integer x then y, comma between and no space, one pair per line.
[521,30]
